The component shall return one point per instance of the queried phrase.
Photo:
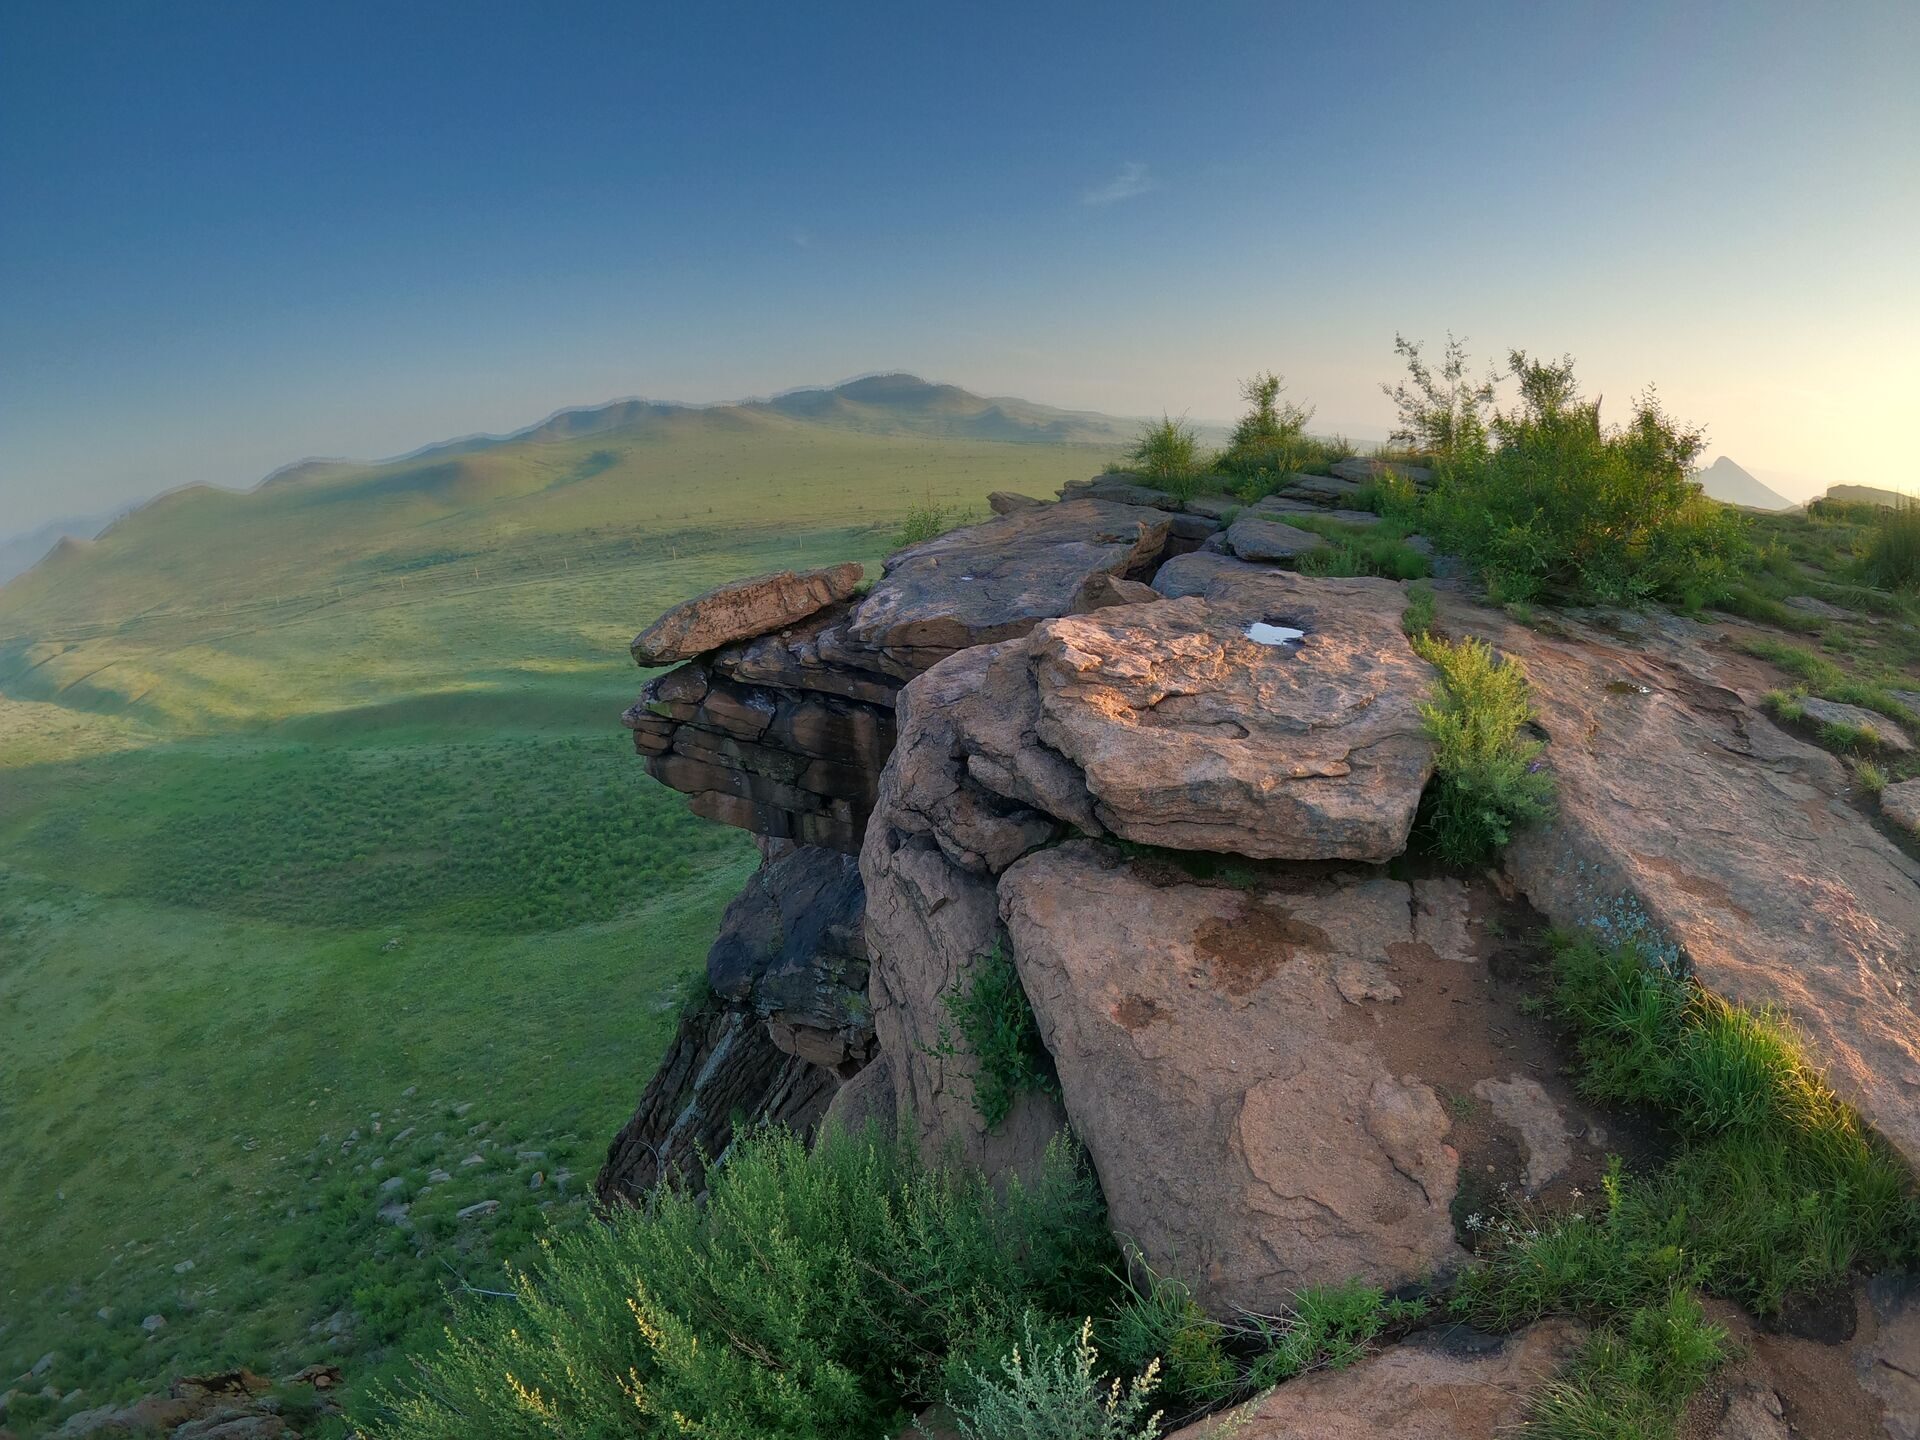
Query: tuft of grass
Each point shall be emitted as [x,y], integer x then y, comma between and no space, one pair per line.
[1167,454]
[1893,556]
[1632,1379]
[1870,777]
[929,520]
[1417,618]
[1156,1318]
[811,1293]
[1488,778]
[996,1021]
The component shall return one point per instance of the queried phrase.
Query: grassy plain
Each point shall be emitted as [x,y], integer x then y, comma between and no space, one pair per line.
[325,868]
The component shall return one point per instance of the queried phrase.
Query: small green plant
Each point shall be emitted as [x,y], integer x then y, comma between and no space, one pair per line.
[996,1022]
[1329,1327]
[1893,560]
[1167,454]
[1870,777]
[1445,415]
[1633,1378]
[1054,1391]
[1488,777]
[1417,618]
[928,520]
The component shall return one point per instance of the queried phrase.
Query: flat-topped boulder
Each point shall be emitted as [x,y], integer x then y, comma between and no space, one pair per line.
[1252,537]
[810,654]
[1123,487]
[1319,489]
[740,610]
[1363,470]
[1887,735]
[1275,717]
[997,580]
[1280,507]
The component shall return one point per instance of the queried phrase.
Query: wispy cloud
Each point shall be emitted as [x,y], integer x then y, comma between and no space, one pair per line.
[1133,179]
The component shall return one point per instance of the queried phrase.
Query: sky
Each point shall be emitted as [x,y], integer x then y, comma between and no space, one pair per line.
[235,235]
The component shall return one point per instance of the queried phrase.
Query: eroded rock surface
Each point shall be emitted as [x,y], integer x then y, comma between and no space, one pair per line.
[1252,537]
[997,580]
[1251,1130]
[1690,821]
[740,610]
[1901,804]
[1447,1384]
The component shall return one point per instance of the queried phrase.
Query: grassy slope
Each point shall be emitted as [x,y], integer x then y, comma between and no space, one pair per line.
[248,741]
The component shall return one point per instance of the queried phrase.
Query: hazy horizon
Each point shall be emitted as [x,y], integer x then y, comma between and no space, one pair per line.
[241,237]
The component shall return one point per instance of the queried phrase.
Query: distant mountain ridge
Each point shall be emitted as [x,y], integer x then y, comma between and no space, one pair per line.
[20,553]
[1727,482]
[1870,495]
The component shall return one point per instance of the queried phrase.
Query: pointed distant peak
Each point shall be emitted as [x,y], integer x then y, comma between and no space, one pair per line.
[1726,481]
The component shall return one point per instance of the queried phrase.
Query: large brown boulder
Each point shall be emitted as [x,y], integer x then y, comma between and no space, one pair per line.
[997,580]
[1689,821]
[810,654]
[741,610]
[1256,538]
[1446,1384]
[1253,1127]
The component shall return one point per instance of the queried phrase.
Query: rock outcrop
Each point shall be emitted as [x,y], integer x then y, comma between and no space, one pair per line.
[1688,820]
[225,1405]
[740,611]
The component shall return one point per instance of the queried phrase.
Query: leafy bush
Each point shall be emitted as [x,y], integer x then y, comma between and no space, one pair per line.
[1356,550]
[1893,560]
[1564,506]
[1445,416]
[1417,618]
[1054,1391]
[1487,777]
[1167,454]
[996,1021]
[808,1297]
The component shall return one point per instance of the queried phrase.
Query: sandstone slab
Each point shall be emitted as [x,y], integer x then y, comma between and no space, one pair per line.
[811,654]
[997,580]
[1887,735]
[1251,1132]
[1005,502]
[1447,1384]
[1363,470]
[741,610]
[1901,804]
[1690,822]
[1319,489]
[1253,538]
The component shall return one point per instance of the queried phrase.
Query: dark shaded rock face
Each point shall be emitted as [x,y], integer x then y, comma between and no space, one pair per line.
[722,1067]
[793,949]
[741,610]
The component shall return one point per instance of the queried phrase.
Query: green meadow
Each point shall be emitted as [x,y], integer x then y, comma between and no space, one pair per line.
[339,925]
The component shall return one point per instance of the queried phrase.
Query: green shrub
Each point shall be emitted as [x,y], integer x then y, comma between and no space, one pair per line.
[1360,553]
[1893,558]
[810,1296]
[1563,506]
[1487,776]
[1054,1391]
[1329,1327]
[1167,455]
[1870,777]
[1446,416]
[996,1021]
[1777,1186]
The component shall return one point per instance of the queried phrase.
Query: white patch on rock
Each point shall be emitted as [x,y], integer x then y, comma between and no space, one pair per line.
[1262,633]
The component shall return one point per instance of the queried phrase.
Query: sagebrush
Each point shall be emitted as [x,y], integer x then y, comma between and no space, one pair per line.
[1488,776]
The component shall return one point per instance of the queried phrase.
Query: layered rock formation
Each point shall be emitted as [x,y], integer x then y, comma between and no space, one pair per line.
[1118,742]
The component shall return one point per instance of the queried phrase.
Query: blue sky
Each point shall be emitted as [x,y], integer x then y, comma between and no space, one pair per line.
[235,235]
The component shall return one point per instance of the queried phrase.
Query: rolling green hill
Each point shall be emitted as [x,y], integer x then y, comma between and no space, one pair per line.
[325,866]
